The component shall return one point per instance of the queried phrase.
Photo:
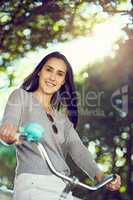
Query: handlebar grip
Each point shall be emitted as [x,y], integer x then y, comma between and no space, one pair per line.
[30,132]
[105,180]
[18,136]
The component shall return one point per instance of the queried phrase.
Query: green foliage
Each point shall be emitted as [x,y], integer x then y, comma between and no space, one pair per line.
[6,155]
[7,164]
[26,25]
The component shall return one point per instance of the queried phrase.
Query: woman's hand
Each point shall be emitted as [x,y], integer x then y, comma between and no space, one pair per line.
[114,185]
[8,133]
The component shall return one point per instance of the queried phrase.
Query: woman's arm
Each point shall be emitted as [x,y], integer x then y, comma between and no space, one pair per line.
[11,117]
[79,153]
[13,109]
[83,157]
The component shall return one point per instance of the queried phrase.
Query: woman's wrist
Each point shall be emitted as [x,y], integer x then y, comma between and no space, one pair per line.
[99,175]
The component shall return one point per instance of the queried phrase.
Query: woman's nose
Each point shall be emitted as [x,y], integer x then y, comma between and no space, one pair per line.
[52,76]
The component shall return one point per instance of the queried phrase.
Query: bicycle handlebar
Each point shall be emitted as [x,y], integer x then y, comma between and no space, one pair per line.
[33,132]
[74,181]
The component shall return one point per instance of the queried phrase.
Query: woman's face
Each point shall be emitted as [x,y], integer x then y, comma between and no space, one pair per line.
[52,76]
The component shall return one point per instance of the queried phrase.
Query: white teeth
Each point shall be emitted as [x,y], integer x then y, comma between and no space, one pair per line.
[50,84]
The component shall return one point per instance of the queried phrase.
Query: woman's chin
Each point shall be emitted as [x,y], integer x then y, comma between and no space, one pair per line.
[49,92]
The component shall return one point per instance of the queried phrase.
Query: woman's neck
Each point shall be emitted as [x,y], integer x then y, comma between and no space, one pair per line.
[44,99]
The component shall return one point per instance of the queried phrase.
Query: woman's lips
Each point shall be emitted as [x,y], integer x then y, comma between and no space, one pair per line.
[49,84]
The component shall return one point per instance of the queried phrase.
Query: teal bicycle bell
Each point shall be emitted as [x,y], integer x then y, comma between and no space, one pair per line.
[32,132]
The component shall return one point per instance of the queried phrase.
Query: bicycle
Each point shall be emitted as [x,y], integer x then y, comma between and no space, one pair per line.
[33,132]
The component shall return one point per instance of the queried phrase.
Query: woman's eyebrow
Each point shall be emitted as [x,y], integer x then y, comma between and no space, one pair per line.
[53,68]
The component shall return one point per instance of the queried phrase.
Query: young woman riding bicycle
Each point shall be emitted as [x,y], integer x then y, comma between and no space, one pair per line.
[40,99]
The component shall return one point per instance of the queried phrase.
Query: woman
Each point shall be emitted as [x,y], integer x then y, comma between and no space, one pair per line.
[49,88]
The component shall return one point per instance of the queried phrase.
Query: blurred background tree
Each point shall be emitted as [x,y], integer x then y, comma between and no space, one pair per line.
[104,86]
[27,25]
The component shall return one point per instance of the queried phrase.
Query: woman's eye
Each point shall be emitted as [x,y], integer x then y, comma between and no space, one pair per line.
[60,74]
[48,69]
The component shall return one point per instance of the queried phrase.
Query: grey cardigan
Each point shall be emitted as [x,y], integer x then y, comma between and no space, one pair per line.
[22,108]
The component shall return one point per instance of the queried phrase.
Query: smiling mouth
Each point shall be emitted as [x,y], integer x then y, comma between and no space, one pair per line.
[49,84]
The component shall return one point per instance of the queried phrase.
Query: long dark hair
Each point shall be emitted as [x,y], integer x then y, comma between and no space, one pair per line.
[66,95]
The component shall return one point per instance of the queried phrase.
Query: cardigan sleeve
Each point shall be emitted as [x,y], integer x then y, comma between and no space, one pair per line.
[13,109]
[78,152]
